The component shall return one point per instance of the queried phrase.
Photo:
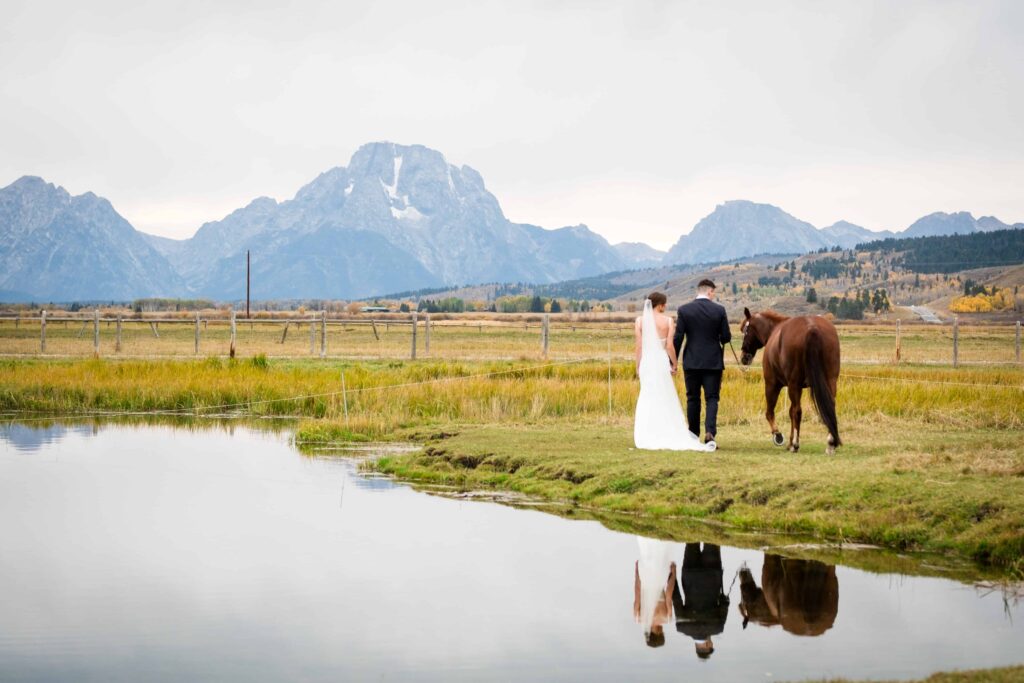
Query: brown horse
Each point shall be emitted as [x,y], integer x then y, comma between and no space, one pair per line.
[798,352]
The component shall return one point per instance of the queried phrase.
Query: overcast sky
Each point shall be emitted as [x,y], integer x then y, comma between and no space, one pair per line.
[636,118]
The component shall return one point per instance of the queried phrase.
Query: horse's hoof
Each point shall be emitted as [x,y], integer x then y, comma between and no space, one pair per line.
[778,439]
[794,449]
[831,450]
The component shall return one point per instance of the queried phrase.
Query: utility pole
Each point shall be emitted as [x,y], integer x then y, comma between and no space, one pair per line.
[247,271]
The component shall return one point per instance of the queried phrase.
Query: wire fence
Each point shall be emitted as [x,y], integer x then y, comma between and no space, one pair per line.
[417,336]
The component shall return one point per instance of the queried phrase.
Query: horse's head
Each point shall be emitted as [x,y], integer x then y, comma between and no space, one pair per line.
[756,328]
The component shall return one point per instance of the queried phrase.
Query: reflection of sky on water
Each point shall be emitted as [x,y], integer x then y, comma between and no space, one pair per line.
[205,555]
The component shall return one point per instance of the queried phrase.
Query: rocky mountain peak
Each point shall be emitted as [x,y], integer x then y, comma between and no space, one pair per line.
[739,228]
[56,246]
[941,223]
[436,222]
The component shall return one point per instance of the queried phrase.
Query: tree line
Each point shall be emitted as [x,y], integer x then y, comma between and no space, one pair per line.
[951,253]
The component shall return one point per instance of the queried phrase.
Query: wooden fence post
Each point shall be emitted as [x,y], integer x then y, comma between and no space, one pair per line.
[897,341]
[323,333]
[117,339]
[96,331]
[42,332]
[544,332]
[956,342]
[426,334]
[414,316]
[312,335]
[231,349]
[1018,341]
[197,333]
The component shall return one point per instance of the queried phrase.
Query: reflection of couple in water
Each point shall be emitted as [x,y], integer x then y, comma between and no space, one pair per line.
[700,608]
[801,595]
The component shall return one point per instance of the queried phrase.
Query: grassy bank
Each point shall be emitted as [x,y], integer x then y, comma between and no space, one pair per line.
[1010,674]
[933,457]
[949,490]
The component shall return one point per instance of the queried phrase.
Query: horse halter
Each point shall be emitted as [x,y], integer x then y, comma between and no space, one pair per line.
[747,328]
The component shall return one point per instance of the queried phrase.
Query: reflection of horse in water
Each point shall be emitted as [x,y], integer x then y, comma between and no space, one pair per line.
[801,595]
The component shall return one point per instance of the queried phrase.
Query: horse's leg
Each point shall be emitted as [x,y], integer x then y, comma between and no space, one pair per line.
[830,449]
[795,413]
[771,394]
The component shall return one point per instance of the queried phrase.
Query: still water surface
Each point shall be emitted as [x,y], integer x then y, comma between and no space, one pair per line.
[154,553]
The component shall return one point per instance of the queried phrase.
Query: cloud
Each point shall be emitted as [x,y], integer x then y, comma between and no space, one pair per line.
[635,118]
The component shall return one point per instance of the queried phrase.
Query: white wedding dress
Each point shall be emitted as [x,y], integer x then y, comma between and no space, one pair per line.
[659,423]
[652,570]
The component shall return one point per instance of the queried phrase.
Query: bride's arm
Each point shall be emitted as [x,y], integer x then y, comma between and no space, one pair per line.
[670,348]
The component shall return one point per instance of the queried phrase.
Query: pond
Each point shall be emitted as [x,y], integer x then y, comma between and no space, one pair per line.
[155,552]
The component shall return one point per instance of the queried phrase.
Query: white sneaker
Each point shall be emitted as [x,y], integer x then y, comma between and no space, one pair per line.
[712,446]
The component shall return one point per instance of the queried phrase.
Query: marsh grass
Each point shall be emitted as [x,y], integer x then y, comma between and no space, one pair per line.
[385,395]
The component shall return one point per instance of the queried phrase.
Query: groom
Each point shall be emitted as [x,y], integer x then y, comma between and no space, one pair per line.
[705,327]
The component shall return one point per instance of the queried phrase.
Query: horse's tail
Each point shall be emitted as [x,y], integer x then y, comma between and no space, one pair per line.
[824,401]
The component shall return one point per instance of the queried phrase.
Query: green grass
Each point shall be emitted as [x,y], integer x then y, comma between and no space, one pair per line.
[947,491]
[1011,674]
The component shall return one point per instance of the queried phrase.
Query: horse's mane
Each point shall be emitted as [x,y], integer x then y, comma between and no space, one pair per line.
[773,316]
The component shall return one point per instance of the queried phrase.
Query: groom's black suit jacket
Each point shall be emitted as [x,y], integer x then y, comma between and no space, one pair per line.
[705,327]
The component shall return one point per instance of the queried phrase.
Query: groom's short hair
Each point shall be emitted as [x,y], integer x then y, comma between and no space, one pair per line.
[657,299]
[705,284]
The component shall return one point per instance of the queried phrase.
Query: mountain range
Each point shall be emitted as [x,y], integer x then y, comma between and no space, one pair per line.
[738,229]
[396,218]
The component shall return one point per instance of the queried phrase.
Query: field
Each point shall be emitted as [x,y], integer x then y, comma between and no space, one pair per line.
[465,338]
[932,457]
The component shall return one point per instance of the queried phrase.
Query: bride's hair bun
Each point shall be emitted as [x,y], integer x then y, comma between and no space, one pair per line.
[657,299]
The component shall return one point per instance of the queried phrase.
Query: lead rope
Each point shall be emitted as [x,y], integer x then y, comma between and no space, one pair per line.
[734,577]
[743,368]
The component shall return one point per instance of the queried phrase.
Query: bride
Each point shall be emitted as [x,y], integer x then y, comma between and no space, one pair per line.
[659,422]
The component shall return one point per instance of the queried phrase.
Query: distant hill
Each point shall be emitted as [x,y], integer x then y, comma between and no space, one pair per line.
[739,228]
[57,247]
[845,234]
[639,255]
[923,271]
[960,223]
[953,253]
[940,223]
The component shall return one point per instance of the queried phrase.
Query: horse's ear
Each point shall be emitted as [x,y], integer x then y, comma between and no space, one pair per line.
[746,312]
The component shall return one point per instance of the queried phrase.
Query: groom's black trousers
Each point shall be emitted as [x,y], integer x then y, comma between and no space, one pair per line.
[711,382]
